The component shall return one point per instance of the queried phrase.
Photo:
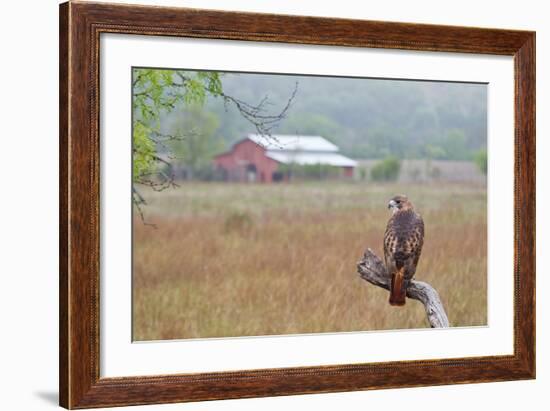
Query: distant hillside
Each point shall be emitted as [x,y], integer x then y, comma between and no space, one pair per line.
[366,118]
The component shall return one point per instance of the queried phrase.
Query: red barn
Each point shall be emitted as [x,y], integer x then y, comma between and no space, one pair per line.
[257,158]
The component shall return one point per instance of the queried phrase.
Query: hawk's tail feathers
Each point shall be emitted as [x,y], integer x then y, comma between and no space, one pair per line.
[397,289]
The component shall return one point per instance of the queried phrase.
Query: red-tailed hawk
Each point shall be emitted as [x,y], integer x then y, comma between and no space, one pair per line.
[403,242]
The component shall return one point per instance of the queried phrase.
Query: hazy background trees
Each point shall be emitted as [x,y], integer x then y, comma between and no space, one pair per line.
[369,118]
[196,142]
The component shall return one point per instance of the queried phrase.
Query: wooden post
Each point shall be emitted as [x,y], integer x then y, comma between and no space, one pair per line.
[372,269]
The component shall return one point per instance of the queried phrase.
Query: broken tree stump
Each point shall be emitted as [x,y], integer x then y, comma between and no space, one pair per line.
[372,269]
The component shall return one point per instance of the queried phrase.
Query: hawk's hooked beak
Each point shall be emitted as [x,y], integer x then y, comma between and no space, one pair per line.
[392,204]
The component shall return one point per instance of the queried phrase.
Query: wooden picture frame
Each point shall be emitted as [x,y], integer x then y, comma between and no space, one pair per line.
[80,27]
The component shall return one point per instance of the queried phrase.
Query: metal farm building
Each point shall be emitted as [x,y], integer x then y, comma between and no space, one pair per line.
[258,158]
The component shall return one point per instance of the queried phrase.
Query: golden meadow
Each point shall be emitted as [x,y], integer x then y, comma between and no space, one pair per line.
[248,259]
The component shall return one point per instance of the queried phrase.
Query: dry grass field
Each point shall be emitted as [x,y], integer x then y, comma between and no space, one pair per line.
[241,260]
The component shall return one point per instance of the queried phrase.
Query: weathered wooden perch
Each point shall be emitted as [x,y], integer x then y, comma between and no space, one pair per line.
[372,269]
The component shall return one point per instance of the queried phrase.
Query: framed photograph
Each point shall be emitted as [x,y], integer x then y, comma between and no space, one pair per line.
[259,205]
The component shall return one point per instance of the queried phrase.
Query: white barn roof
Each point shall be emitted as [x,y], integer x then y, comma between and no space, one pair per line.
[301,158]
[303,150]
[293,142]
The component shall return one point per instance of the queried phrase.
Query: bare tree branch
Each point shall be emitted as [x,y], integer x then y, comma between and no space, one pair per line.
[138,202]
[372,269]
[257,114]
